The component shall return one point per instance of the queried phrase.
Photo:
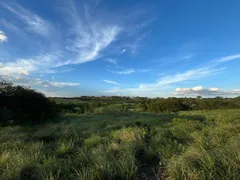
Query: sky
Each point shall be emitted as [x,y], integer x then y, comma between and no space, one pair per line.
[150,48]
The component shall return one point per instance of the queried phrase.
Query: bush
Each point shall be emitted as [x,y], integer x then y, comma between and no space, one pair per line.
[167,105]
[74,108]
[20,105]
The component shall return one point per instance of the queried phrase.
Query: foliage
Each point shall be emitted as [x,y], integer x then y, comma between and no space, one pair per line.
[115,104]
[117,137]
[20,105]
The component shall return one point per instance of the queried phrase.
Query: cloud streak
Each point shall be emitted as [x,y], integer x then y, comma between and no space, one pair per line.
[193,74]
[228,58]
[124,72]
[34,22]
[111,82]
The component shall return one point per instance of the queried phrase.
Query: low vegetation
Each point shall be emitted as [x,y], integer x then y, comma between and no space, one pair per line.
[184,145]
[116,138]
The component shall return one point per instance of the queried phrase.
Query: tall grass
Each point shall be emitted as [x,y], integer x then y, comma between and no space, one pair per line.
[186,145]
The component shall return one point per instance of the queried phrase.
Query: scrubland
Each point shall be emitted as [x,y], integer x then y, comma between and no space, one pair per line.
[184,145]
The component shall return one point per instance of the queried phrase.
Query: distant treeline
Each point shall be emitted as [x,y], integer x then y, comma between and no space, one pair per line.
[91,104]
[19,105]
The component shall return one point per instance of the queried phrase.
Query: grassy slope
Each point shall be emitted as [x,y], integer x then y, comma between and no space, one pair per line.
[186,145]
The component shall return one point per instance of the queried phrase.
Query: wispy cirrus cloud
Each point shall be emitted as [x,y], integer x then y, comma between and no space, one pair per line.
[33,22]
[90,35]
[167,81]
[136,44]
[112,61]
[200,91]
[155,89]
[3,37]
[192,74]
[87,34]
[228,58]
[124,72]
[111,82]
[118,69]
[86,38]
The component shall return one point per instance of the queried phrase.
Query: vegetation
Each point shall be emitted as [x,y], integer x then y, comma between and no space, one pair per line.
[118,137]
[184,145]
[96,105]
[20,105]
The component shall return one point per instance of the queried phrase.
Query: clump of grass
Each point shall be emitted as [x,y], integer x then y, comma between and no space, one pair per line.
[126,166]
[92,141]
[64,147]
[50,164]
[129,134]
[213,155]
[191,165]
[85,173]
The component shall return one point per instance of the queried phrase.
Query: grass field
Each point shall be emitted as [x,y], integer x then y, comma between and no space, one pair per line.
[186,145]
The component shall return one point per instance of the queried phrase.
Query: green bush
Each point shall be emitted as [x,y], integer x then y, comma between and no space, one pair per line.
[167,105]
[19,105]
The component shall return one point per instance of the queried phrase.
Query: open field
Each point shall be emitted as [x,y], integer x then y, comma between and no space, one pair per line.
[185,145]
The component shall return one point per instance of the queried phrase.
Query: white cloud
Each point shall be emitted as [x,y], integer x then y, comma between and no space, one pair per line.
[228,58]
[58,84]
[193,74]
[200,91]
[87,38]
[21,80]
[38,63]
[166,81]
[90,36]
[123,51]
[163,84]
[112,61]
[3,37]
[124,72]
[111,82]
[34,22]
[136,92]
[87,34]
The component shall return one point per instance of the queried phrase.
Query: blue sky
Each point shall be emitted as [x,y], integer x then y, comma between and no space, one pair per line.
[131,48]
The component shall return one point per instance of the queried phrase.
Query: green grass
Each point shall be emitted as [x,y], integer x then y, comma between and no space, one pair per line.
[185,145]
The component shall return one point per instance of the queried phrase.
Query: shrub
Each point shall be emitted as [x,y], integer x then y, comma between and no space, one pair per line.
[167,105]
[20,105]
[80,108]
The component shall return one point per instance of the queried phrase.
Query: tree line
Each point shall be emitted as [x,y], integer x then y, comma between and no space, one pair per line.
[20,105]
